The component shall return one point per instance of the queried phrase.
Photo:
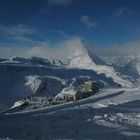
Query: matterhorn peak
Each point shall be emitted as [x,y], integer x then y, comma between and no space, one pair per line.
[82,58]
[75,47]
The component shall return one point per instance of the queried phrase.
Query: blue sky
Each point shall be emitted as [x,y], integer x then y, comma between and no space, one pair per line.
[102,23]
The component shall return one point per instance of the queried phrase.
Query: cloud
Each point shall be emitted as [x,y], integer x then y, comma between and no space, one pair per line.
[67,48]
[88,22]
[21,44]
[59,2]
[58,34]
[60,50]
[16,30]
[125,49]
[123,11]
[23,36]
[120,11]
[19,35]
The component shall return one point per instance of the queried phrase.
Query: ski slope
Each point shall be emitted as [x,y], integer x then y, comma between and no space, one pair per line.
[110,114]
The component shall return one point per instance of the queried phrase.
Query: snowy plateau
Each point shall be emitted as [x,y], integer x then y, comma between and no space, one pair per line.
[113,113]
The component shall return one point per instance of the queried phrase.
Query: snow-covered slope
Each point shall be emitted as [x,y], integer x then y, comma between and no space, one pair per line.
[118,61]
[84,59]
[18,81]
[109,114]
[44,85]
[33,61]
[127,65]
[132,68]
[47,76]
[78,57]
[113,114]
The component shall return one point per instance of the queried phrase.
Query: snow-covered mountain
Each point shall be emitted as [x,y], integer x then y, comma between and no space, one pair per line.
[82,58]
[127,65]
[132,68]
[48,77]
[18,81]
[104,112]
[34,61]
[118,61]
[79,57]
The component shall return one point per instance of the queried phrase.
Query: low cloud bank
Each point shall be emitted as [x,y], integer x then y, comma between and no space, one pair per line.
[67,48]
[61,50]
[126,49]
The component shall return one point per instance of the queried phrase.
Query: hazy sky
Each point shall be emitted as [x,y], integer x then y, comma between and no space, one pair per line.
[100,23]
